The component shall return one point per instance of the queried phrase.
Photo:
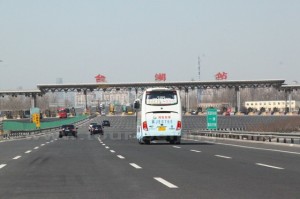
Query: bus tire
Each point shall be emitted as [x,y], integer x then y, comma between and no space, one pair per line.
[147,141]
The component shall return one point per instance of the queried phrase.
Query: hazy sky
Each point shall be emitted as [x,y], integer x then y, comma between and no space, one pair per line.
[132,40]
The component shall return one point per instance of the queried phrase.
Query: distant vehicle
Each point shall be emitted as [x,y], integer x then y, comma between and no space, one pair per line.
[193,112]
[159,116]
[68,130]
[106,123]
[62,112]
[129,110]
[91,125]
[96,129]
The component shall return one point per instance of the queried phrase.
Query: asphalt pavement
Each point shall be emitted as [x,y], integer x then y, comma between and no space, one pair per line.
[116,166]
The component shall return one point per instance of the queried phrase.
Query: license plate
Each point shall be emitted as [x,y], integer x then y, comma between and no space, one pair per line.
[161,128]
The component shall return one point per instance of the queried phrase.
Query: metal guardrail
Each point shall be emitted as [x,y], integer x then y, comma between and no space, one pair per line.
[291,138]
[22,134]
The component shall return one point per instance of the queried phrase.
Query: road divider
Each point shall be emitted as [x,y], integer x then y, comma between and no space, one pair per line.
[290,138]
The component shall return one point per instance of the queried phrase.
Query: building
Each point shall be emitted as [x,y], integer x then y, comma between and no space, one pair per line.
[280,105]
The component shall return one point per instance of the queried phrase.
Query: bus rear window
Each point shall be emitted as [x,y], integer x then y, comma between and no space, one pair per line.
[161,98]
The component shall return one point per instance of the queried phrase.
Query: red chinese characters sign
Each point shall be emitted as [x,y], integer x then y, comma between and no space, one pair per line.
[160,77]
[100,78]
[221,76]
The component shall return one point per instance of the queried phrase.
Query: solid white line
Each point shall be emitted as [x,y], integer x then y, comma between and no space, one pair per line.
[135,166]
[112,151]
[249,147]
[17,157]
[168,184]
[222,156]
[177,147]
[270,166]
[29,151]
[121,157]
[196,151]
[2,165]
[36,147]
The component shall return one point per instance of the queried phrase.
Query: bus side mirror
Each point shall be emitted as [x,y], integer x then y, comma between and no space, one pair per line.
[136,105]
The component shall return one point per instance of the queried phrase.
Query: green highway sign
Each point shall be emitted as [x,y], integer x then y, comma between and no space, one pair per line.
[211,118]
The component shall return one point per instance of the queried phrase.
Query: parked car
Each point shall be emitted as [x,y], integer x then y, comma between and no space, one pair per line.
[105,123]
[193,112]
[91,125]
[68,130]
[96,129]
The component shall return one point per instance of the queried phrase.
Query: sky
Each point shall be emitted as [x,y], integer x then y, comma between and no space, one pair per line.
[132,40]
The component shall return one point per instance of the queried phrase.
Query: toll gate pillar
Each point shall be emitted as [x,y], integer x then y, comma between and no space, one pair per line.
[238,98]
[33,101]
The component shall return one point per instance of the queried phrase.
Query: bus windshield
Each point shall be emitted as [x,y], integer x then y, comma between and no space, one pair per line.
[156,98]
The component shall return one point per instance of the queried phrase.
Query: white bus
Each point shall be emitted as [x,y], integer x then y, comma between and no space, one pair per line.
[159,116]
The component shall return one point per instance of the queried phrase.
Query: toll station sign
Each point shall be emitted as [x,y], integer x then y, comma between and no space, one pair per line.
[212,119]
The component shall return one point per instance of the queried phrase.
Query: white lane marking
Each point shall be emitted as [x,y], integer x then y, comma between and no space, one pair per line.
[42,144]
[55,139]
[270,166]
[103,144]
[51,141]
[17,157]
[177,147]
[168,184]
[2,165]
[36,147]
[135,165]
[47,142]
[196,151]
[249,147]
[29,151]
[222,156]
[121,157]
[107,147]
[112,151]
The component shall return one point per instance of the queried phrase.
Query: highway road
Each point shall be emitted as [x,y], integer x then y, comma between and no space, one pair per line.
[116,166]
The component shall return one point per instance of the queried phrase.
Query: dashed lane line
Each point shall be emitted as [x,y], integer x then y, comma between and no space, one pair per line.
[17,157]
[2,165]
[135,166]
[195,151]
[270,166]
[42,144]
[112,151]
[29,151]
[107,147]
[177,147]
[36,147]
[222,156]
[166,183]
[121,157]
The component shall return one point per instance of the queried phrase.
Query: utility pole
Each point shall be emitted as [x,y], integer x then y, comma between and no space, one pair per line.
[199,78]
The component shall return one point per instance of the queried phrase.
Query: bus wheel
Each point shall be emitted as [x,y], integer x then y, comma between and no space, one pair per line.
[147,141]
[140,142]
